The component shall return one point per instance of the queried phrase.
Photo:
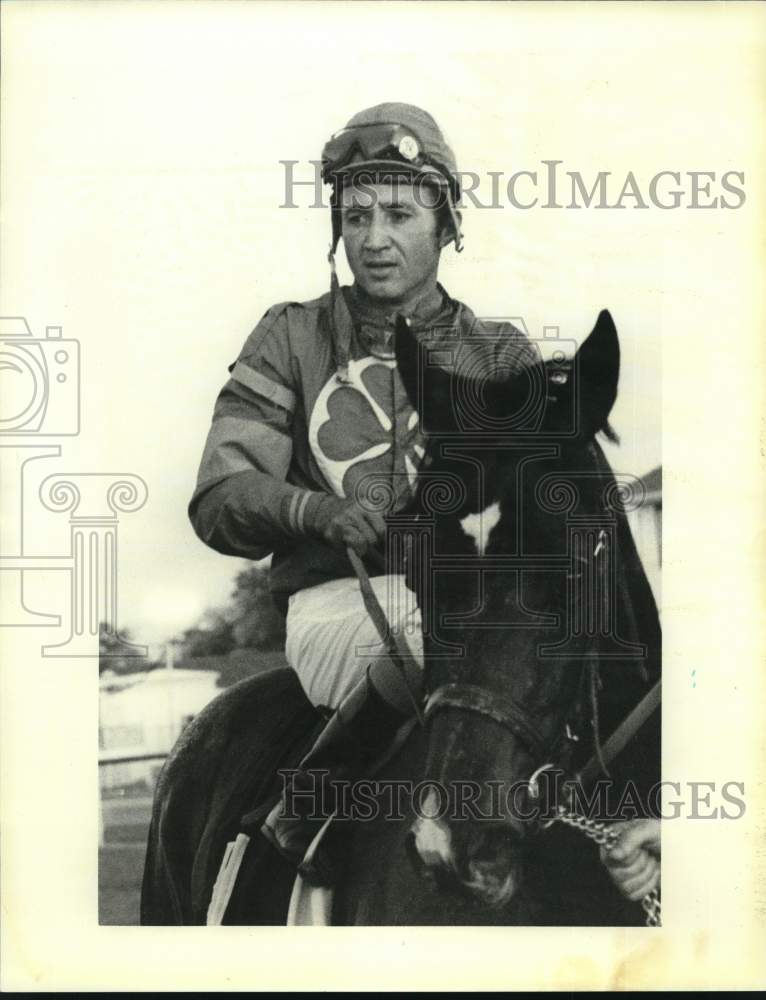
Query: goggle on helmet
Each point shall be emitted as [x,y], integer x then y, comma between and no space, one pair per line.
[380,148]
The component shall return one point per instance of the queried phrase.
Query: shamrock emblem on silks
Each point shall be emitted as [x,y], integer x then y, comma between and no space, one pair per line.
[365,430]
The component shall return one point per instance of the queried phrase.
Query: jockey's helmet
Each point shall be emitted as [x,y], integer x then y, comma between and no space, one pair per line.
[388,139]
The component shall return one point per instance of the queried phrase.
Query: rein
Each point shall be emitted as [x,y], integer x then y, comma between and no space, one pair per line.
[500,708]
[506,712]
[624,733]
[396,646]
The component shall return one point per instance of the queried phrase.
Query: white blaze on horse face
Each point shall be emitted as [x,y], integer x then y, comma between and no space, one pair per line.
[432,838]
[478,526]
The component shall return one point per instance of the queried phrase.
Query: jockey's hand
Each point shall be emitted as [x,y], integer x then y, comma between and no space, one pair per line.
[634,861]
[343,522]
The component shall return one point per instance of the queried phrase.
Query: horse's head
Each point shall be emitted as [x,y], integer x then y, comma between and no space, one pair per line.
[510,521]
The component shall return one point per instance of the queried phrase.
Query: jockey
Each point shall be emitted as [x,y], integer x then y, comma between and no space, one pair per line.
[314,420]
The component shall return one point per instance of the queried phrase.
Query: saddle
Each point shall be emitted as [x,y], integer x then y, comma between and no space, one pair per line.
[305,901]
[220,777]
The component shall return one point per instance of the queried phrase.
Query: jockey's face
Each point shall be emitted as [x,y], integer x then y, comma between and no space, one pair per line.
[392,239]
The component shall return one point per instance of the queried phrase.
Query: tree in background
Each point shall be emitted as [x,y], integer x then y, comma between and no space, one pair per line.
[257,623]
[250,621]
[211,636]
[111,653]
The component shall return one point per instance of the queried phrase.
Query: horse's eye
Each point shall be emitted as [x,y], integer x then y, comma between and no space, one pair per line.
[559,378]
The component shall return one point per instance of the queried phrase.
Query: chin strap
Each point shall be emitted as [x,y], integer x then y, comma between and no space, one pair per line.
[340,325]
[455,225]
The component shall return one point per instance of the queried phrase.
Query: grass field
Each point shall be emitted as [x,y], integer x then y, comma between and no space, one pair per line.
[121,859]
[119,883]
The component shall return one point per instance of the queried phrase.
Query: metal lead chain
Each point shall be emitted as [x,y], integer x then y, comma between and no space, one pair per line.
[606,836]
[653,908]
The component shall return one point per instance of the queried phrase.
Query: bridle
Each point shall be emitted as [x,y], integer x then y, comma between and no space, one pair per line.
[507,712]
[518,719]
[502,709]
[512,716]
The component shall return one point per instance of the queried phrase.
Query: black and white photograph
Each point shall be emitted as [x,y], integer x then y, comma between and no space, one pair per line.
[346,349]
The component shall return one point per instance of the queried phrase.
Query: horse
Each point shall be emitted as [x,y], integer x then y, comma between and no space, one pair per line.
[540,634]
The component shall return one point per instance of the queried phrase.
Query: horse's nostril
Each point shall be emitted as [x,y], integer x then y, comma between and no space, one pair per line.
[491,865]
[481,860]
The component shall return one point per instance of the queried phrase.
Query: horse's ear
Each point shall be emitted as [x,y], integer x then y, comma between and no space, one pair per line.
[598,369]
[430,388]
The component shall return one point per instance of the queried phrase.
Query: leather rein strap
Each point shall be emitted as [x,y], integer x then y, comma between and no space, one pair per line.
[471,698]
[624,733]
[395,645]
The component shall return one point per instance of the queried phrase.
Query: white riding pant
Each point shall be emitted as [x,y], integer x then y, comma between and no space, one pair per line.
[331,639]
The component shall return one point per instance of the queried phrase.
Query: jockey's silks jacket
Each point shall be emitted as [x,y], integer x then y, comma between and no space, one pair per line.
[287,430]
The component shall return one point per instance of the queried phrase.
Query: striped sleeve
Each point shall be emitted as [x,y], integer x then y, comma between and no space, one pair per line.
[242,504]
